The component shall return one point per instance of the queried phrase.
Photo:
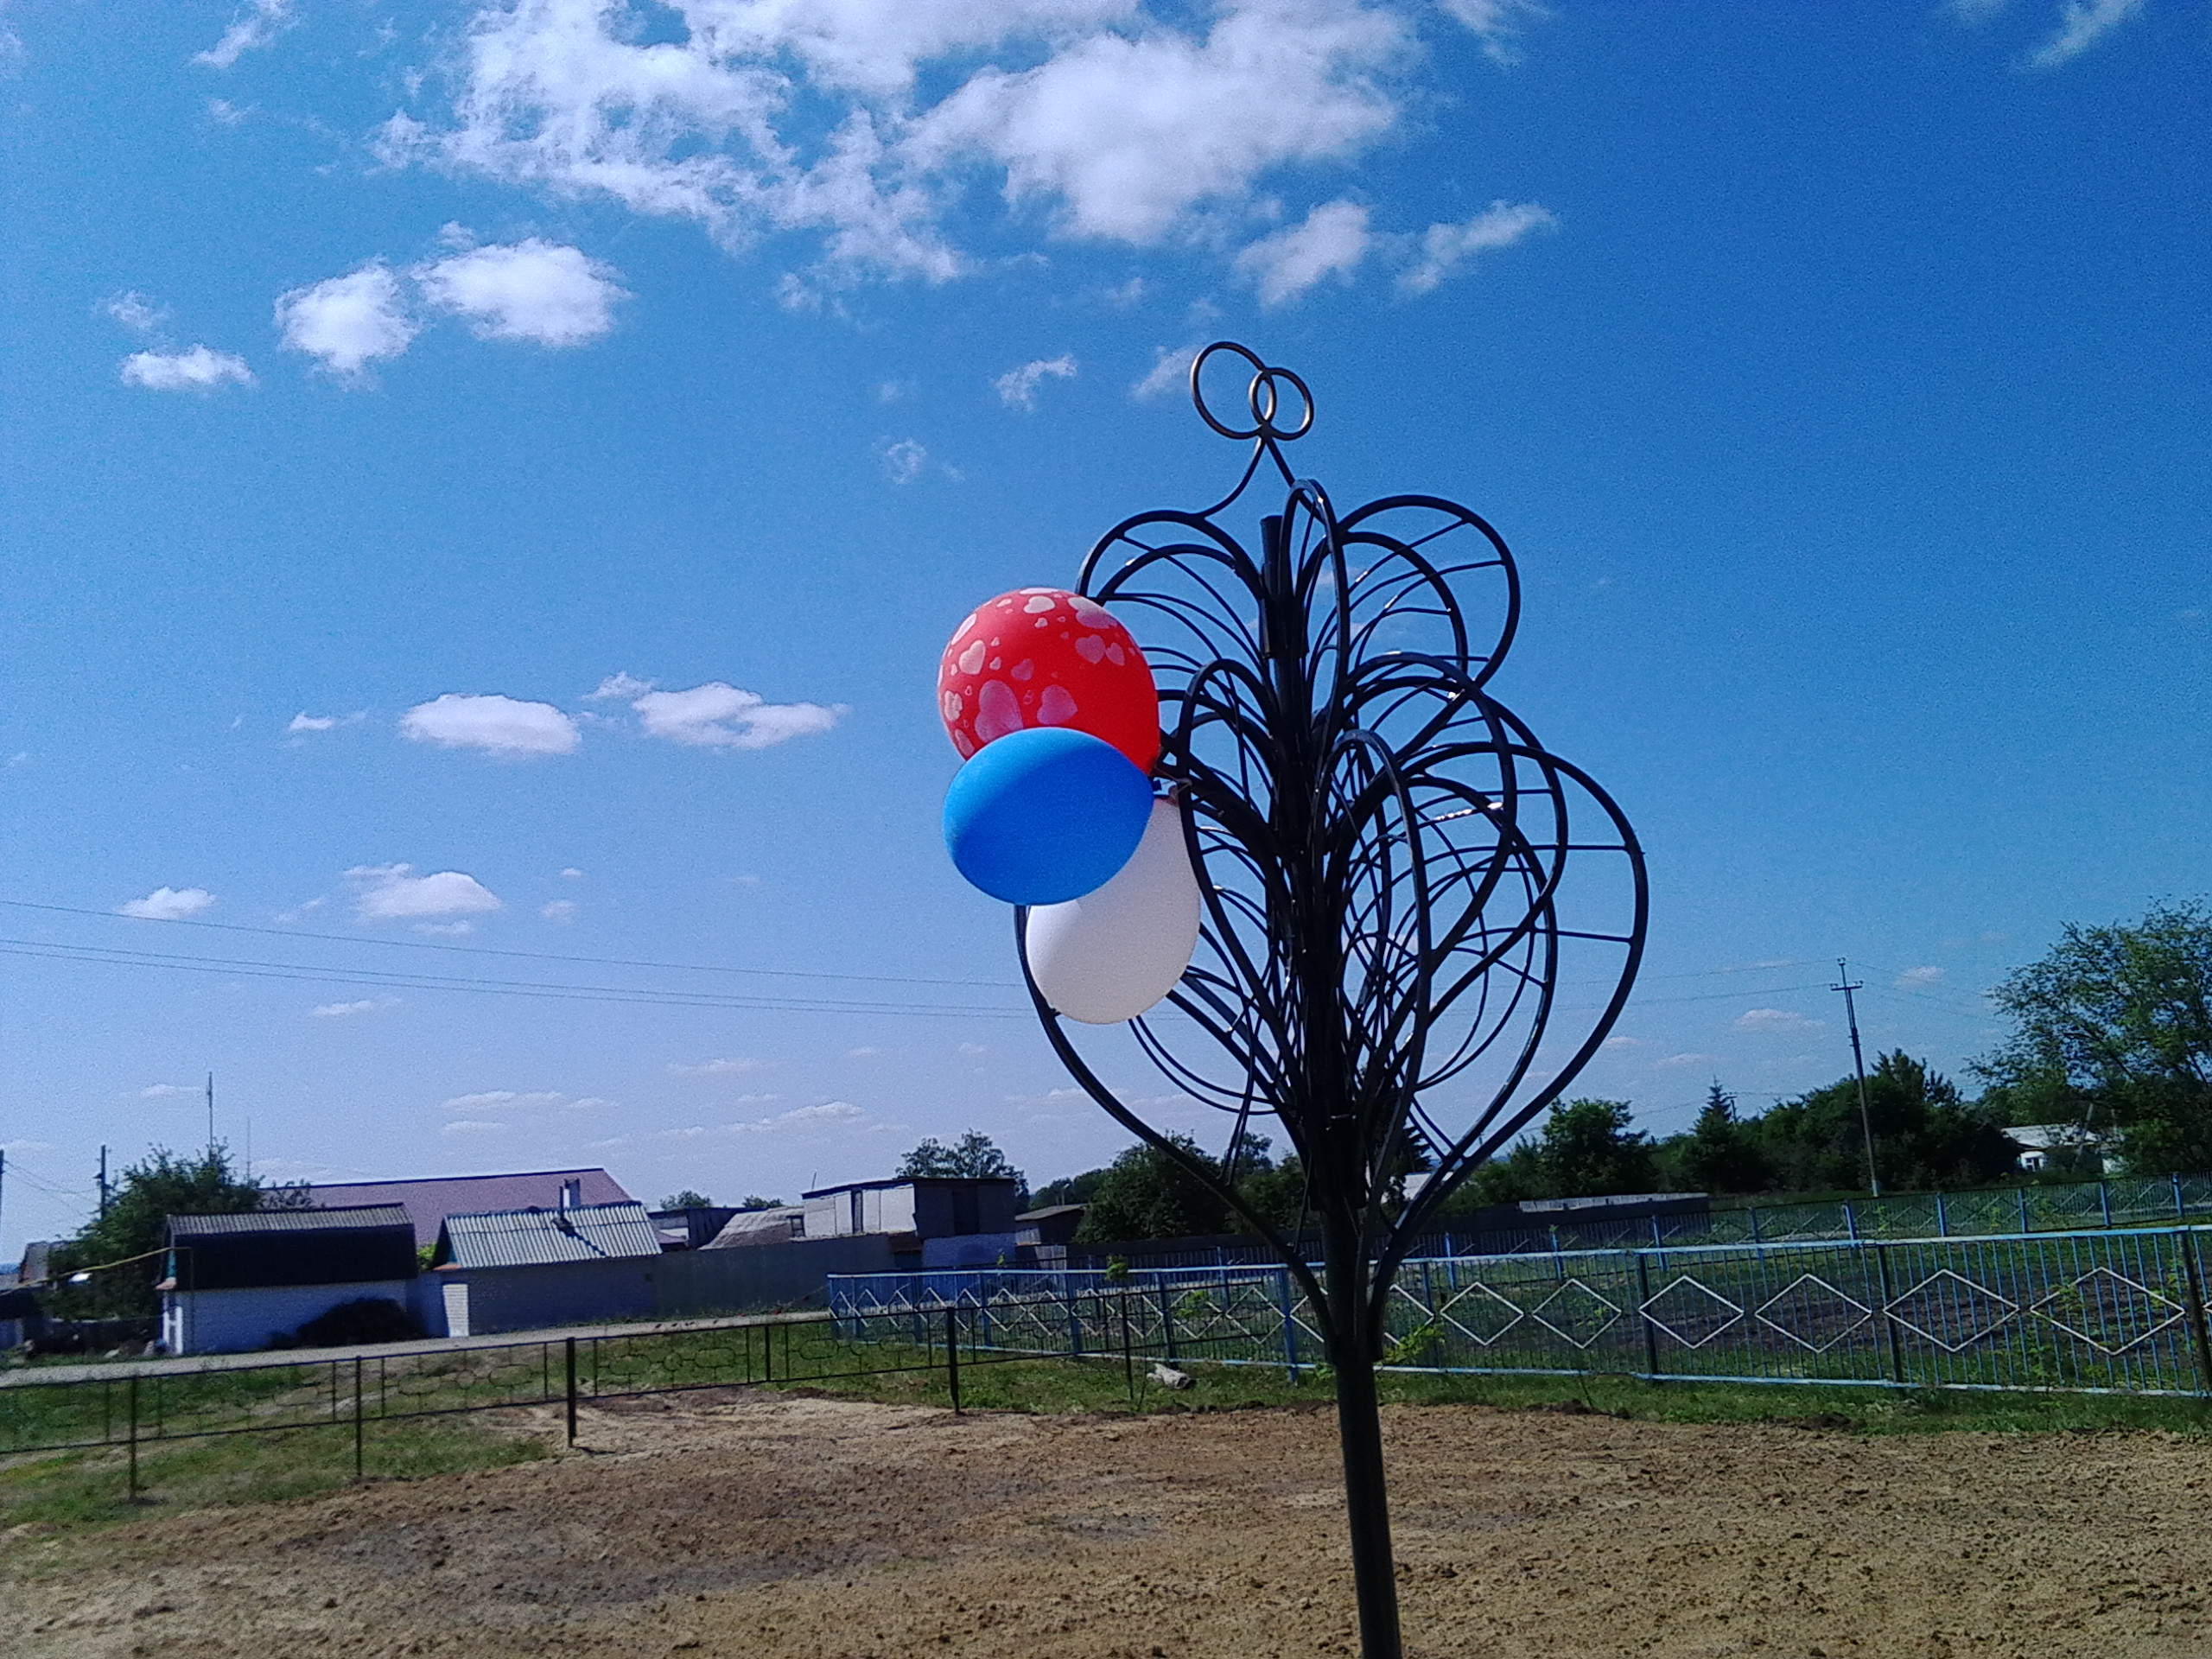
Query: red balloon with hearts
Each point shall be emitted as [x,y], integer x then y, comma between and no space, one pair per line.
[1046,657]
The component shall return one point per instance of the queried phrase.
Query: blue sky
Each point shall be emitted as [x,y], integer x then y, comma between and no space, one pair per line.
[681,375]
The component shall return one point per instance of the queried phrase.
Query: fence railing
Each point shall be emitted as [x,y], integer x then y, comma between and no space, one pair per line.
[138,1409]
[2103,1311]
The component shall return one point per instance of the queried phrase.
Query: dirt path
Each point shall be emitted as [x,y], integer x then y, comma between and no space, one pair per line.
[819,1529]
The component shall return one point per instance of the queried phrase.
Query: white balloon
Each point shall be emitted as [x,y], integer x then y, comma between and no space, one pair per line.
[1110,955]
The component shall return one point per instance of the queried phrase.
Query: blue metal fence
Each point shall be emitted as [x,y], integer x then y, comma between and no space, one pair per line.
[2118,1310]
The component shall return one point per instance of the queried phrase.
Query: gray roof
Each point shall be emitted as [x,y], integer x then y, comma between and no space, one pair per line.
[506,1238]
[290,1221]
[912,1180]
[771,1226]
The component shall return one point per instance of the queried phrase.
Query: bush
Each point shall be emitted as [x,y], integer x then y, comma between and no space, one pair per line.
[366,1319]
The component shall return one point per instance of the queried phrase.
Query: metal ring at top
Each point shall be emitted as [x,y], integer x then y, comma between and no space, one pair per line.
[1263,397]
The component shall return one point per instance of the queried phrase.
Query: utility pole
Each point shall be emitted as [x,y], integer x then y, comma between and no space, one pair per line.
[103,1178]
[211,1117]
[1847,985]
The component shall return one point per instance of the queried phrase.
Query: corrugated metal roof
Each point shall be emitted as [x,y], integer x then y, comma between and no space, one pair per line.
[912,1180]
[770,1226]
[509,1238]
[431,1199]
[290,1221]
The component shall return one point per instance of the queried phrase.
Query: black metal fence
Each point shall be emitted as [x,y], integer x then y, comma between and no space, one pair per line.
[139,1408]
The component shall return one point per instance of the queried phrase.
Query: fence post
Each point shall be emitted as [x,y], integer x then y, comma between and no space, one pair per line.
[952,1353]
[1943,1218]
[1889,1318]
[2104,1201]
[2187,1245]
[2025,1224]
[1849,1221]
[1448,1249]
[133,1392]
[1644,1315]
[1128,1357]
[1752,1210]
[2181,1208]
[569,1344]
[1289,1323]
[356,1417]
[1167,1319]
[1656,1241]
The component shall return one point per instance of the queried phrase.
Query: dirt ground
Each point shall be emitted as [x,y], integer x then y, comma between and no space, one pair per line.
[741,1525]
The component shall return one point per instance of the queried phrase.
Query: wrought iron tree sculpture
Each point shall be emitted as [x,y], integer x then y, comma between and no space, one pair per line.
[1399,880]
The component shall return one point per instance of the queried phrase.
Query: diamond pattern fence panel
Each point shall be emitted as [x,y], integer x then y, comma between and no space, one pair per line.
[2107,1310]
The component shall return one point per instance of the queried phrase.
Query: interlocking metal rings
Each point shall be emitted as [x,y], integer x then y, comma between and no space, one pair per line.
[1264,396]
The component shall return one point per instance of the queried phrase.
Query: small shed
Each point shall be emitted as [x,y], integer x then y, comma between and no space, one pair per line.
[923,1206]
[748,1228]
[238,1282]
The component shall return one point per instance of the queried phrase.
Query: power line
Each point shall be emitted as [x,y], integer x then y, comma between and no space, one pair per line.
[379,979]
[494,950]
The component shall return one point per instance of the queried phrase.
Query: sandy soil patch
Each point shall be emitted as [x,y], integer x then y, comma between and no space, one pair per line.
[740,1525]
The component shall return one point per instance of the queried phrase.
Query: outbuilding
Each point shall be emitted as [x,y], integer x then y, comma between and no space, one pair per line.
[237,1283]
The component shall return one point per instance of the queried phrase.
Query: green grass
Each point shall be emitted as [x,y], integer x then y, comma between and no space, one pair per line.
[75,1491]
[1056,1385]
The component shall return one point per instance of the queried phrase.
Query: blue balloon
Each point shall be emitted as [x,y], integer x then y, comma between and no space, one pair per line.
[1045,815]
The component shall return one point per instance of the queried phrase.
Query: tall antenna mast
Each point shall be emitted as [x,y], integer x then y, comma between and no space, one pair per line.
[1858,1065]
[211,1116]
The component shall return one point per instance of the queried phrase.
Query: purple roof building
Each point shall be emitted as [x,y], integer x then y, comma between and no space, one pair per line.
[429,1201]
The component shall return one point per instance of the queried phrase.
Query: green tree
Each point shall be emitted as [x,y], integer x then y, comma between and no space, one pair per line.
[1588,1150]
[1146,1194]
[974,1156]
[1068,1189]
[2112,1032]
[687,1199]
[160,1184]
[759,1201]
[1926,1134]
[1719,1155]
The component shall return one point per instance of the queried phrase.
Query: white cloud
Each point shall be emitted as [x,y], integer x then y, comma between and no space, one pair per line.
[470,1126]
[1919,979]
[1133,134]
[1626,1042]
[164,1091]
[343,1010]
[817,115]
[25,1148]
[348,321]
[1497,24]
[623,685]
[719,716]
[1017,388]
[496,724]
[717,1068]
[304,721]
[572,874]
[829,1114]
[587,1104]
[389,893]
[531,291]
[903,461]
[493,1098]
[2081,24]
[559,910]
[200,369]
[1778,1021]
[259,24]
[1445,249]
[136,312]
[169,904]
[1331,242]
[1677,1061]
[1170,371]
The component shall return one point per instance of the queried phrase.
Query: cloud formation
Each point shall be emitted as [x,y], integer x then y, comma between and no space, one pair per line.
[492,725]
[169,904]
[259,24]
[200,369]
[719,716]
[531,290]
[347,323]
[1778,1021]
[1017,388]
[2081,24]
[1332,242]
[346,1010]
[389,893]
[868,125]
[1919,979]
[1446,250]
